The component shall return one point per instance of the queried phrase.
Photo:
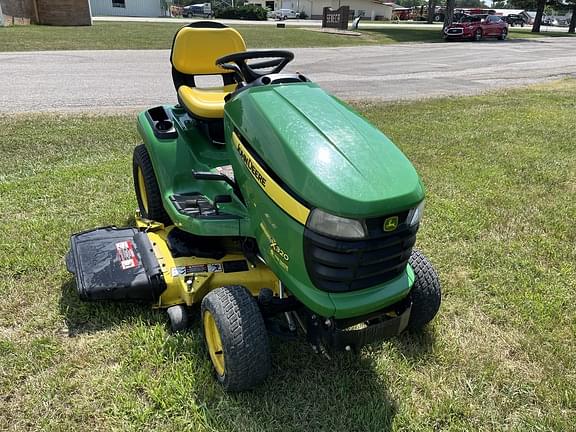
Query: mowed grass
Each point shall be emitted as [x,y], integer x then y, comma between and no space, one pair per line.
[499,226]
[142,35]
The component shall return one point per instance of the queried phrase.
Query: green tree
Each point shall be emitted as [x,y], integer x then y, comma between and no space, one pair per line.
[410,3]
[523,4]
[470,4]
[533,4]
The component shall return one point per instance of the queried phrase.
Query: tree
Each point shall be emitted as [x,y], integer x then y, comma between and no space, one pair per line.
[572,26]
[431,11]
[539,13]
[470,4]
[410,3]
[449,14]
[523,4]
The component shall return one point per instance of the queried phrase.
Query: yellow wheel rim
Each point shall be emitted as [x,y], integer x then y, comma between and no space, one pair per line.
[214,343]
[142,190]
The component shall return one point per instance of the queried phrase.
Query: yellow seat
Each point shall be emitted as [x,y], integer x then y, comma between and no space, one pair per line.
[194,52]
[206,102]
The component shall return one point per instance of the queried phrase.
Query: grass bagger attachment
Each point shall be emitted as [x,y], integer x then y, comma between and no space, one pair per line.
[264,197]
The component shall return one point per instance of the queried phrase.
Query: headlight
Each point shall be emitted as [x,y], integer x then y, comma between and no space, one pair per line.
[335,226]
[415,215]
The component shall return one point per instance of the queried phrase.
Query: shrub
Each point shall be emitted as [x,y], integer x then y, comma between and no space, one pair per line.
[247,12]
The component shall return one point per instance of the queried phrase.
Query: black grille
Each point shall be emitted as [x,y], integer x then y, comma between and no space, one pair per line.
[337,265]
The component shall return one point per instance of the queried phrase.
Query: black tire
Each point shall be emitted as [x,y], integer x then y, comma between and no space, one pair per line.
[503,35]
[438,18]
[178,317]
[426,294]
[244,340]
[477,35]
[149,202]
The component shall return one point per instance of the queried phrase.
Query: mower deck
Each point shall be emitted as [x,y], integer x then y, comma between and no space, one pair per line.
[158,264]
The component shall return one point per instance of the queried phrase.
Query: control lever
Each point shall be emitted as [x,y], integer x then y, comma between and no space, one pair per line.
[201,175]
[219,199]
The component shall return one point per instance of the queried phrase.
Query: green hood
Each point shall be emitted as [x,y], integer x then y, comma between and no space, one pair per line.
[326,153]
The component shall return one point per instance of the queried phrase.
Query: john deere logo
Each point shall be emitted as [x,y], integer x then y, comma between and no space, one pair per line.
[391,223]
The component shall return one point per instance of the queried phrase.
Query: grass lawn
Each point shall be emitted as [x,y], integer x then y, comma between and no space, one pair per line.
[500,171]
[130,35]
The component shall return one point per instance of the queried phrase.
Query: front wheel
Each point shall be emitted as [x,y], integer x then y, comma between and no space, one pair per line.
[178,316]
[503,35]
[426,295]
[236,338]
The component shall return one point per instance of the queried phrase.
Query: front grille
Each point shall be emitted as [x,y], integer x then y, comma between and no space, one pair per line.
[338,265]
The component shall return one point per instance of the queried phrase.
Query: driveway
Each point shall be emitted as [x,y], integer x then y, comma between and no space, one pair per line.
[103,80]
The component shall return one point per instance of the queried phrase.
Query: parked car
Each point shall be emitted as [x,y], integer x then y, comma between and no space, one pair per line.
[514,20]
[456,17]
[402,13]
[555,21]
[477,27]
[199,9]
[283,14]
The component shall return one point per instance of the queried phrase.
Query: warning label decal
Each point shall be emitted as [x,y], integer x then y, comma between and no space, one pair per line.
[126,255]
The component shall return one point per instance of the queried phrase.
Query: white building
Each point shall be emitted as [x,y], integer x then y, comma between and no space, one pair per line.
[136,8]
[371,9]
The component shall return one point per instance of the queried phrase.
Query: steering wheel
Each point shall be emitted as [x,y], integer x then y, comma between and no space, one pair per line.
[237,63]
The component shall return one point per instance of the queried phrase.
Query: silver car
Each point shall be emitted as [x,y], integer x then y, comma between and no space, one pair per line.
[282,14]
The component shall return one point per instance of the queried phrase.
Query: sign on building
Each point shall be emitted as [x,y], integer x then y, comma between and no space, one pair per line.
[337,19]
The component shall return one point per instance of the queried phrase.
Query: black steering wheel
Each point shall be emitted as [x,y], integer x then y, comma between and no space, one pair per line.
[245,72]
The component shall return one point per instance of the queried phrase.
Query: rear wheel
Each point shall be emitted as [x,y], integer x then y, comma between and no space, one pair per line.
[478,35]
[503,35]
[146,187]
[426,295]
[235,337]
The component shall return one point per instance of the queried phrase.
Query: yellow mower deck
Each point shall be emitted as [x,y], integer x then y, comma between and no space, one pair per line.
[189,279]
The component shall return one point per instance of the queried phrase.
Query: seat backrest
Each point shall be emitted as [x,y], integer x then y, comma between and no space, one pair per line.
[197,46]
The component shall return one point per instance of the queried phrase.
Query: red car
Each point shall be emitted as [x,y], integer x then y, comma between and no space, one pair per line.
[477,27]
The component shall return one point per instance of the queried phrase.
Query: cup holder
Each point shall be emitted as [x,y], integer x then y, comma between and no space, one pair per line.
[163,125]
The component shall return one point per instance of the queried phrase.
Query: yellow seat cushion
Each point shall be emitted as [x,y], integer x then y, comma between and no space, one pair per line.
[205,102]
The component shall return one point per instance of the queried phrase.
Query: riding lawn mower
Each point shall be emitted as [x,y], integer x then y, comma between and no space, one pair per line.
[263,200]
